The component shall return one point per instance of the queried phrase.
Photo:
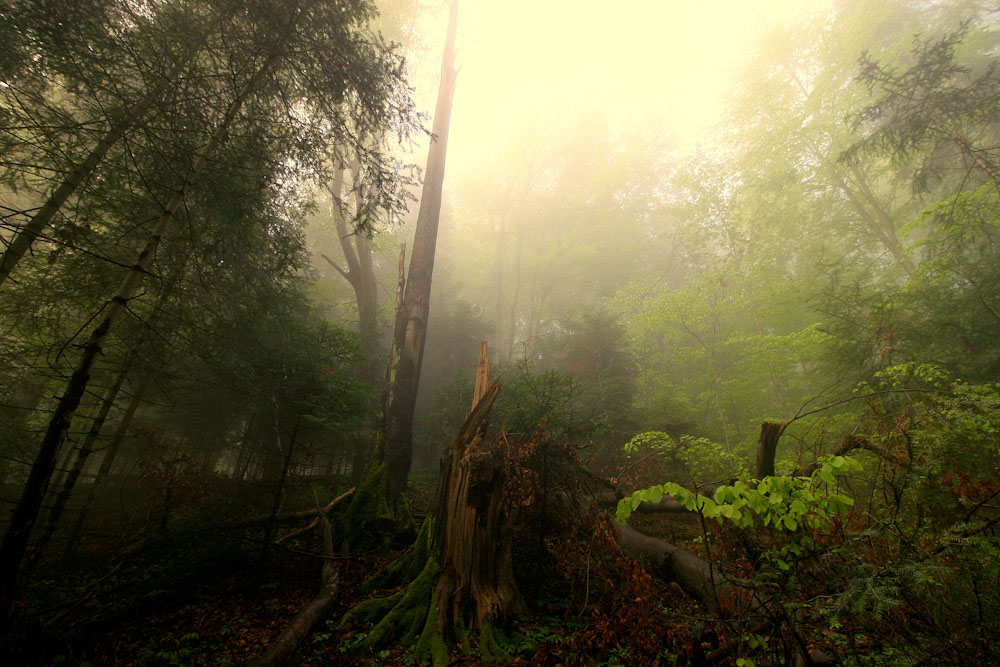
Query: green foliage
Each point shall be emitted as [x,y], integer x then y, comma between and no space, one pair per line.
[783,503]
[689,458]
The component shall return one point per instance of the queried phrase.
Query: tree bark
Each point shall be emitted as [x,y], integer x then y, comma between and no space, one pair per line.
[767,447]
[105,469]
[460,572]
[360,272]
[82,454]
[695,576]
[412,319]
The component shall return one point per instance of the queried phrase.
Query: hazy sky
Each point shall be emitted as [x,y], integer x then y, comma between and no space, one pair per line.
[665,64]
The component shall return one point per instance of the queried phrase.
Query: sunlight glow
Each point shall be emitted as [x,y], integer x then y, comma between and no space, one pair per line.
[665,65]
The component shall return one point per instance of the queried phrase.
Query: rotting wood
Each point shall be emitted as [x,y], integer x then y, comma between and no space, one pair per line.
[300,626]
[459,576]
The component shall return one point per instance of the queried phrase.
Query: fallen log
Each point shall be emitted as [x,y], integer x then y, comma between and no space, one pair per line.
[710,585]
[695,576]
[300,626]
[297,629]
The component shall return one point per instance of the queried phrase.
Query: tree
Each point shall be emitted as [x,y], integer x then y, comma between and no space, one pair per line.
[459,575]
[315,54]
[936,100]
[411,321]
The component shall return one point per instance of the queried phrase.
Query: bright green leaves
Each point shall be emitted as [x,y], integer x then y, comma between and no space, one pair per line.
[781,503]
[657,441]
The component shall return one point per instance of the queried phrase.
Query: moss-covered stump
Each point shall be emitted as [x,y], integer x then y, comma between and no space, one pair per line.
[430,613]
[459,575]
[373,520]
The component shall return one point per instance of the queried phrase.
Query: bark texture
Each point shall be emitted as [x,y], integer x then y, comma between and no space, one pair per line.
[459,575]
[411,322]
[767,446]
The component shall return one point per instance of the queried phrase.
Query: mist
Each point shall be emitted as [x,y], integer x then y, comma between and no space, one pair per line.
[394,333]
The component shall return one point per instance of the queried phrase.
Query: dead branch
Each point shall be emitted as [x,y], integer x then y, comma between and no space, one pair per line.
[300,626]
[315,522]
[288,517]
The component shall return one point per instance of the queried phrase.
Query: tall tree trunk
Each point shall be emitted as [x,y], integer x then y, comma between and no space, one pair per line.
[82,455]
[247,445]
[26,511]
[498,302]
[367,287]
[508,350]
[360,274]
[877,219]
[106,464]
[286,463]
[412,319]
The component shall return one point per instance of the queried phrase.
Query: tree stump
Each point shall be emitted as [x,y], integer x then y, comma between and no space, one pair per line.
[459,576]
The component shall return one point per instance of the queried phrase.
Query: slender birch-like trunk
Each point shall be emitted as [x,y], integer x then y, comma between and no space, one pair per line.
[411,322]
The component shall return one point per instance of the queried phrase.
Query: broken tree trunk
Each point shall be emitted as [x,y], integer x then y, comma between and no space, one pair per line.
[767,446]
[460,571]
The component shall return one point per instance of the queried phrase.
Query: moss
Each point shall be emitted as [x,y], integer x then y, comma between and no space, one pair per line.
[371,520]
[462,635]
[406,568]
[427,646]
[402,614]
[370,610]
[489,648]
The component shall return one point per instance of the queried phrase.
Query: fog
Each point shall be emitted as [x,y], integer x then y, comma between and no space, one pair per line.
[405,332]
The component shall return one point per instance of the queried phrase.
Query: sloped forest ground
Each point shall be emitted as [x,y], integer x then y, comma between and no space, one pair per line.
[200,589]
[203,593]
[230,616]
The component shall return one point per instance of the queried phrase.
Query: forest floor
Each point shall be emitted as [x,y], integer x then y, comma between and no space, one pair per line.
[220,598]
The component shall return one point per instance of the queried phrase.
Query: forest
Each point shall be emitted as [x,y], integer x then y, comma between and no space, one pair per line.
[428,332]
